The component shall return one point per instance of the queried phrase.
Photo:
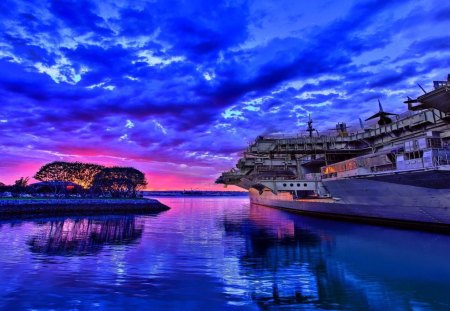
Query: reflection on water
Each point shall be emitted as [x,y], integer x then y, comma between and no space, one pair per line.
[294,262]
[219,254]
[84,236]
[282,261]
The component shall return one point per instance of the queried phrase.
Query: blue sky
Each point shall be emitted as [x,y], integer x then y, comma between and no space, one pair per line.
[177,89]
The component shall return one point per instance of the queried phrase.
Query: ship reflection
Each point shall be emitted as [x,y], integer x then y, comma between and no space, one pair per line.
[290,262]
[282,262]
[84,236]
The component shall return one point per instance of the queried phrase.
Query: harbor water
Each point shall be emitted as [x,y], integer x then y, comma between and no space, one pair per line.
[219,253]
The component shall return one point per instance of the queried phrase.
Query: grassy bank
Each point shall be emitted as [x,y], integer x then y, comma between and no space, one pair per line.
[55,206]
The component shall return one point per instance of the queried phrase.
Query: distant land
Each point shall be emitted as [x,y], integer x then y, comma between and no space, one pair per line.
[195,193]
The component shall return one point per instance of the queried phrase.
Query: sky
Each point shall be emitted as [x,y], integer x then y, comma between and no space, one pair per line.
[177,89]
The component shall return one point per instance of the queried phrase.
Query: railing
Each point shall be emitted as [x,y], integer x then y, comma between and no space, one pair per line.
[313,176]
[441,159]
[384,168]
[324,136]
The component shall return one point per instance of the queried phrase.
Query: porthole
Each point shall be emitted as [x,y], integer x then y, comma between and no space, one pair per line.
[292,185]
[298,185]
[305,185]
[284,185]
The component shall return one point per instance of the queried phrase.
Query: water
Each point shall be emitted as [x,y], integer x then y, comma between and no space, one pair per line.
[219,254]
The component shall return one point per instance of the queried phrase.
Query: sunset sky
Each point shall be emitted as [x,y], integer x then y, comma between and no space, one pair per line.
[178,89]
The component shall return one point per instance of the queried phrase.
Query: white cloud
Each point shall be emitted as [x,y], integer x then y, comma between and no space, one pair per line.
[102,85]
[95,85]
[129,124]
[230,113]
[323,104]
[160,127]
[312,94]
[152,60]
[123,137]
[209,76]
[62,71]
[132,78]
[9,55]
[298,84]
[110,87]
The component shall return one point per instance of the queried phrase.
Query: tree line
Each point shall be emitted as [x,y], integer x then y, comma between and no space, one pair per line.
[19,186]
[92,179]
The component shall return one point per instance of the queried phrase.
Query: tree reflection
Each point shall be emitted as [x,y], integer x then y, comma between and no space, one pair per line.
[85,236]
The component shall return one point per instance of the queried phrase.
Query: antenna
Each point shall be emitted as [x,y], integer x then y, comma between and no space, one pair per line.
[361,123]
[422,88]
[310,128]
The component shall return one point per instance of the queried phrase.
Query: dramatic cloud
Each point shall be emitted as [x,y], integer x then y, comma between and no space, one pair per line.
[178,88]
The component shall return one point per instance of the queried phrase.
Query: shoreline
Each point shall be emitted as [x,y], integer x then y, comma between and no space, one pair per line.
[75,205]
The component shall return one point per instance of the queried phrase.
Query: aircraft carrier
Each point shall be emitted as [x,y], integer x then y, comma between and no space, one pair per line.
[394,172]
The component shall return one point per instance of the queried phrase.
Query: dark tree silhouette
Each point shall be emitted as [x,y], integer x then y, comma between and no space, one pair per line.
[20,185]
[79,173]
[55,171]
[116,181]
[22,182]
[83,173]
[4,187]
[119,181]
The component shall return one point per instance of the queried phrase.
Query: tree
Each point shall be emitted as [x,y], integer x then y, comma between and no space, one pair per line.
[54,171]
[83,173]
[20,185]
[79,173]
[22,182]
[120,181]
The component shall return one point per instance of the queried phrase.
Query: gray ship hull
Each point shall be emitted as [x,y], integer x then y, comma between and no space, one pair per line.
[372,200]
[424,189]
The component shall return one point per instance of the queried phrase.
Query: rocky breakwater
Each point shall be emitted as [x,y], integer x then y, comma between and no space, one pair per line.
[55,206]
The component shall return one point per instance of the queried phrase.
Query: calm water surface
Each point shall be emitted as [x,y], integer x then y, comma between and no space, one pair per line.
[219,254]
